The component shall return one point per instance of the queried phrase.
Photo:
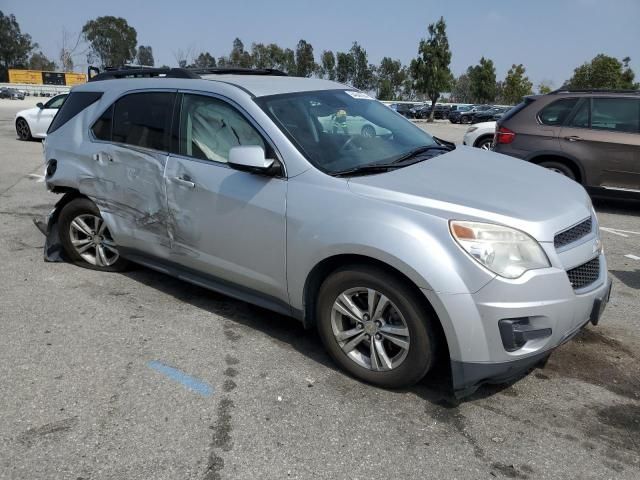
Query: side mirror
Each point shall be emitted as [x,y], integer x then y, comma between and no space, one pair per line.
[249,158]
[40,105]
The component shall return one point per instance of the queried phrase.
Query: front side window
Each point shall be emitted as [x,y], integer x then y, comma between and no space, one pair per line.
[144,120]
[618,114]
[338,130]
[209,128]
[55,102]
[557,112]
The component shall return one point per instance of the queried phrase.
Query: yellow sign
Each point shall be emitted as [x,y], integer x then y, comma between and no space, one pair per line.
[74,78]
[33,77]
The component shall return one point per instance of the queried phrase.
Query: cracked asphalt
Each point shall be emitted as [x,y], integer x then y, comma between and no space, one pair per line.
[79,399]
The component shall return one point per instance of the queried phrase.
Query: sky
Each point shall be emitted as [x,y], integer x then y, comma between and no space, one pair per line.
[549,37]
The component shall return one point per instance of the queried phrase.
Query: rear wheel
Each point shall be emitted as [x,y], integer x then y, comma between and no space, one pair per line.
[485,143]
[560,168]
[86,239]
[374,327]
[23,130]
[368,131]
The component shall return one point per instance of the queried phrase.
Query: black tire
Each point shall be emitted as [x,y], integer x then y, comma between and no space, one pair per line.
[465,119]
[485,143]
[422,344]
[22,129]
[559,168]
[71,211]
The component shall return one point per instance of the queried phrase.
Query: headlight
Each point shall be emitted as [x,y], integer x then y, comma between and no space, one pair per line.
[503,250]
[471,129]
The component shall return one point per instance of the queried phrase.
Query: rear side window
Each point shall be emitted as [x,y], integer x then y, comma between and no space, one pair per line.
[103,127]
[143,120]
[74,104]
[557,112]
[617,114]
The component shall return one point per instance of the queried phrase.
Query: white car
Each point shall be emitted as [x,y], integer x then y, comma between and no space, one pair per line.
[34,122]
[480,135]
[352,125]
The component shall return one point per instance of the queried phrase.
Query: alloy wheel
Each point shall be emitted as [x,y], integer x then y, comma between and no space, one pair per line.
[370,329]
[22,128]
[92,240]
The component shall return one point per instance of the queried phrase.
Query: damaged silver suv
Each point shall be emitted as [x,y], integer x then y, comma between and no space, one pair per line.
[396,245]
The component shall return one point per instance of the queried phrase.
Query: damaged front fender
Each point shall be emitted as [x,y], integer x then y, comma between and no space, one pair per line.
[53,251]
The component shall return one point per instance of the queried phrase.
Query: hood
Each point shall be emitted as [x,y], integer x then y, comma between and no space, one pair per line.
[472,184]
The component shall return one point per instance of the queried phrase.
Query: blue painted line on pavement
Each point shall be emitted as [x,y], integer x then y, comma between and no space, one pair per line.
[179,376]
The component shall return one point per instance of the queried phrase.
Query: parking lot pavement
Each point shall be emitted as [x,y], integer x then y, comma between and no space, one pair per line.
[139,376]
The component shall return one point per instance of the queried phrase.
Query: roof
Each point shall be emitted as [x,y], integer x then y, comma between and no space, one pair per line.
[261,86]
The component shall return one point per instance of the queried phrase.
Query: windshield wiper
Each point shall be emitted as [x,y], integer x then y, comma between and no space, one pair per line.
[420,150]
[364,169]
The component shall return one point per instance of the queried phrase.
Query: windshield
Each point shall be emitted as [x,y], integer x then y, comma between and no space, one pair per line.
[339,130]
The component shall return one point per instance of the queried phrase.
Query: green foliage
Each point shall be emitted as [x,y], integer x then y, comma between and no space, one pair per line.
[603,71]
[328,67]
[391,76]
[482,78]
[15,46]
[145,56]
[430,70]
[362,72]
[345,67]
[112,40]
[544,88]
[516,85]
[204,60]
[39,61]
[461,90]
[239,57]
[305,62]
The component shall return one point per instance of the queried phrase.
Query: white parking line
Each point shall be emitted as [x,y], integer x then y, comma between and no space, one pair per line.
[615,232]
[632,257]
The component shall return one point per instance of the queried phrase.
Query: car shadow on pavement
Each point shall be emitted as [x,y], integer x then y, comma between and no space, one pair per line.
[434,388]
[617,206]
[630,279]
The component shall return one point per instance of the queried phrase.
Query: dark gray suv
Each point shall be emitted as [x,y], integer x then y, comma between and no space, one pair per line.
[592,137]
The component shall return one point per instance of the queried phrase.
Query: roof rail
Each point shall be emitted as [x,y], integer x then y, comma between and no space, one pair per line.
[592,90]
[134,71]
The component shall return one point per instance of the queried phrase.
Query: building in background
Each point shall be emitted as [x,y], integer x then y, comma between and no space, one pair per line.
[38,77]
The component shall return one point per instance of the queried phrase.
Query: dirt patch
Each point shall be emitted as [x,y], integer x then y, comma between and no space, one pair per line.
[594,358]
[29,437]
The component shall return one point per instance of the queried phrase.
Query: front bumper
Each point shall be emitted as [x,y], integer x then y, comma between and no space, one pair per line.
[544,298]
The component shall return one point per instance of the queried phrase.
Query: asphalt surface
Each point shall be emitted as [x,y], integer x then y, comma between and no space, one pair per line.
[95,370]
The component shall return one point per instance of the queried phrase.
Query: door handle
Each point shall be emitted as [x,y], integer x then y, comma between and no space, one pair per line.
[573,138]
[102,156]
[185,180]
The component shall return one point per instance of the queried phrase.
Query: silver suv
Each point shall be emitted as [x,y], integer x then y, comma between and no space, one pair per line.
[397,246]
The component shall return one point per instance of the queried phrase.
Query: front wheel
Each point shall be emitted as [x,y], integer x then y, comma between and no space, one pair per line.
[86,239]
[23,130]
[375,327]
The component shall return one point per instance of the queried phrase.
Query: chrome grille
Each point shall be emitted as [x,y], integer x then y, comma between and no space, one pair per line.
[573,234]
[585,274]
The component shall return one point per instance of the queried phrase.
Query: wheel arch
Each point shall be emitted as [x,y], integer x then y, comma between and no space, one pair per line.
[325,267]
[572,163]
[481,138]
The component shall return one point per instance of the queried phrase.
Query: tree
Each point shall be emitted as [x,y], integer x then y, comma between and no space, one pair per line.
[545,87]
[328,68]
[390,77]
[516,85]
[461,90]
[204,60]
[39,61]
[362,78]
[239,57]
[345,67]
[112,40]
[603,71]
[430,70]
[15,46]
[305,62]
[70,45]
[482,78]
[145,56]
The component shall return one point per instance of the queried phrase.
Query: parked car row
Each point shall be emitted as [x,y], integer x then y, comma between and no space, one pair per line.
[11,93]
[477,113]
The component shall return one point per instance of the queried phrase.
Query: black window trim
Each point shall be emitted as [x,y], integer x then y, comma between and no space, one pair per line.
[233,104]
[94,139]
[575,110]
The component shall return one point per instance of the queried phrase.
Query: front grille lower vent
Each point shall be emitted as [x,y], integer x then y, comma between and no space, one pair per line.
[573,234]
[585,274]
